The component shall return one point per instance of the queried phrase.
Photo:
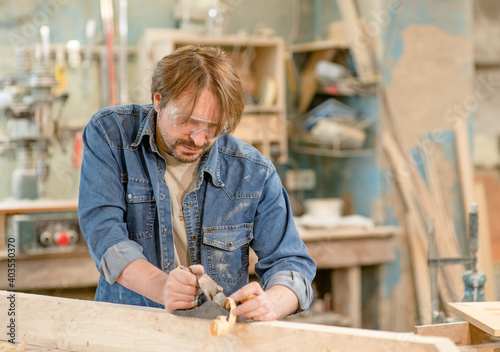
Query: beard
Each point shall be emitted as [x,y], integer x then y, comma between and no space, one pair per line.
[175,149]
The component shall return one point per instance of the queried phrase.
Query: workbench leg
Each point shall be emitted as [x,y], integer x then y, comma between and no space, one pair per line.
[346,288]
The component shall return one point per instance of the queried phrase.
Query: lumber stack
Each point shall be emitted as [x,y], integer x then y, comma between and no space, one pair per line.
[415,177]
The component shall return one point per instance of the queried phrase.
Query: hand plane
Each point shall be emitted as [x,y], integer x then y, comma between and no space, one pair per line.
[216,306]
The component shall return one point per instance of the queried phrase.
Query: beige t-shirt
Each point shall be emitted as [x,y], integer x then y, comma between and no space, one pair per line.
[178,178]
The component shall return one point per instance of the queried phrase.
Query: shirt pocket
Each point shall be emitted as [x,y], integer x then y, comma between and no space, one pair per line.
[140,213]
[227,251]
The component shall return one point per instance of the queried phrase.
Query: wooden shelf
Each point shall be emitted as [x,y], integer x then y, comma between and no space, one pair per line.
[306,144]
[261,64]
[36,206]
[257,109]
[319,45]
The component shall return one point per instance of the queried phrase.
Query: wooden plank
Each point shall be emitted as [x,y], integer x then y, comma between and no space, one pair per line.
[397,311]
[420,204]
[308,81]
[465,165]
[485,315]
[417,235]
[446,241]
[420,269]
[491,183]
[75,325]
[435,206]
[359,42]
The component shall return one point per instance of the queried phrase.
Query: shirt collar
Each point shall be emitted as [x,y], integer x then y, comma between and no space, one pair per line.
[211,164]
[148,127]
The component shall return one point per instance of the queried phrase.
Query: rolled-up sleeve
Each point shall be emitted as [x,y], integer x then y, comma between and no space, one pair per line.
[117,258]
[295,282]
[101,206]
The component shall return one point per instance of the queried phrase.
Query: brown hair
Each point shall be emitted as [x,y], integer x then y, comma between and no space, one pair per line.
[196,68]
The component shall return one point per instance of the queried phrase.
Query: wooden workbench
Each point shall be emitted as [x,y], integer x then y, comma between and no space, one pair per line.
[61,269]
[347,250]
[13,207]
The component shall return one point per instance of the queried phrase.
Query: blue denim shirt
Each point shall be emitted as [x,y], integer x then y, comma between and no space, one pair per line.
[237,202]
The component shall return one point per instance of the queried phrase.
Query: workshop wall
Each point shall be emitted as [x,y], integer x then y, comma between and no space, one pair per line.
[434,39]
[19,27]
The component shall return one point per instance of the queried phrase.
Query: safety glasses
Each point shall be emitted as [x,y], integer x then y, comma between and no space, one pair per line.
[191,124]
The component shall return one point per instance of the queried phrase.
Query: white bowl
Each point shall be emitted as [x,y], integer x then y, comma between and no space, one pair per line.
[319,207]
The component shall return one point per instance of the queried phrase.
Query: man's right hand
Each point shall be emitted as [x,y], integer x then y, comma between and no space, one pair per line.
[181,288]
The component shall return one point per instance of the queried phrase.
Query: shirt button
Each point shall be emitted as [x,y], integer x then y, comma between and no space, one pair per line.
[167,264]
[190,203]
[165,229]
[159,170]
[162,196]
[129,196]
[194,237]
[230,244]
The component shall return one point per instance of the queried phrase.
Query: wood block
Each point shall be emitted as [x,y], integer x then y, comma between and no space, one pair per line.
[461,333]
[457,332]
[484,315]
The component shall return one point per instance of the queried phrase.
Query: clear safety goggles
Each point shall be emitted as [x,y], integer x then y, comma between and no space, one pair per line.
[191,124]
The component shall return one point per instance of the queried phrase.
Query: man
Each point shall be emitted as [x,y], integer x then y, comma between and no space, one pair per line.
[165,185]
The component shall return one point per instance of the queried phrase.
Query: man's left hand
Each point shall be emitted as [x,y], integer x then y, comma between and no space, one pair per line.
[275,303]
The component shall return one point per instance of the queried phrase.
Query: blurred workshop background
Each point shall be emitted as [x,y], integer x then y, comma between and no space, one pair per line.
[380,116]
